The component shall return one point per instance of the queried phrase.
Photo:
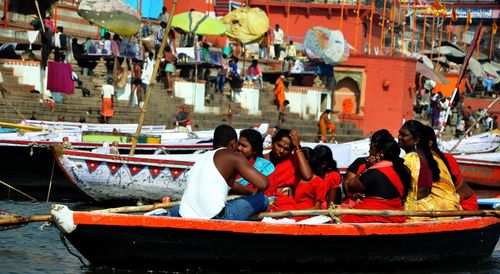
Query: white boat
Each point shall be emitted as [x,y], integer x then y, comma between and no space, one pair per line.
[106,177]
[480,143]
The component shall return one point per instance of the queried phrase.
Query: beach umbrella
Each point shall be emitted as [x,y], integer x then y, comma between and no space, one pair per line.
[113,15]
[246,25]
[28,7]
[198,23]
[326,45]
[476,68]
[431,74]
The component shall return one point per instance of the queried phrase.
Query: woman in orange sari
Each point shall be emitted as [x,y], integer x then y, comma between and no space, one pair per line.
[384,185]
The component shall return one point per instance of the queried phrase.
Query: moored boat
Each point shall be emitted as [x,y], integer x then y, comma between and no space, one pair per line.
[149,242]
[106,177]
[480,143]
[480,169]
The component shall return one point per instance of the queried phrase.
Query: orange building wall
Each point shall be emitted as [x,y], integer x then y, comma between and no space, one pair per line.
[386,109]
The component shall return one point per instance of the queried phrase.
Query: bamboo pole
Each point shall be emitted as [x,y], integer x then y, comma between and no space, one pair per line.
[11,187]
[466,30]
[433,33]
[392,30]
[449,25]
[25,219]
[357,25]
[478,48]
[413,28]
[423,35]
[440,36]
[342,15]
[384,213]
[459,79]
[5,13]
[383,25]
[152,81]
[371,27]
[493,32]
[403,27]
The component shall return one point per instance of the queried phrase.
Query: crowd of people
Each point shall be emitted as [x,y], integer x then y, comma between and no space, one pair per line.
[292,177]
[432,105]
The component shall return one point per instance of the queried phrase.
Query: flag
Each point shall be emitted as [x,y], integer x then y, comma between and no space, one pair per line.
[469,17]
[494,28]
[454,16]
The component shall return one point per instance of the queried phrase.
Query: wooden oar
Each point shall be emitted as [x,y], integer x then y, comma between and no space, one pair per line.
[123,209]
[384,213]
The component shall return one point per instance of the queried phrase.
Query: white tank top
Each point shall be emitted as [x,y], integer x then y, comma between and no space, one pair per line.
[206,191]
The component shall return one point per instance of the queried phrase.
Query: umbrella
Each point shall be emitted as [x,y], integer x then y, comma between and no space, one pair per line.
[476,68]
[431,74]
[327,45]
[246,25]
[198,23]
[113,15]
[28,7]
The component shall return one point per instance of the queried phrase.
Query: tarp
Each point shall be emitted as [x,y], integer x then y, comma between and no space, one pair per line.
[113,15]
[329,46]
[198,23]
[431,74]
[246,25]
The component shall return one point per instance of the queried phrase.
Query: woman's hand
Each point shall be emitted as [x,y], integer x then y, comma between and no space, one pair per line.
[294,136]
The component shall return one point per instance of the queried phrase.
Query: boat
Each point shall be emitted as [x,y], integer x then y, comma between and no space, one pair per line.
[480,143]
[489,203]
[154,242]
[480,169]
[107,177]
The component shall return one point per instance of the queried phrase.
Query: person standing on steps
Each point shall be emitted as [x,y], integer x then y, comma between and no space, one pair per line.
[108,94]
[136,83]
[278,37]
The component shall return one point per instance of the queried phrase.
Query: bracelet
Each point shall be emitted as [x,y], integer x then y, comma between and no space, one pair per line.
[298,150]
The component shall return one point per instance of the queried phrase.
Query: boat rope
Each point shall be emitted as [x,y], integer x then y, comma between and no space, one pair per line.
[51,178]
[63,240]
[11,187]
[331,208]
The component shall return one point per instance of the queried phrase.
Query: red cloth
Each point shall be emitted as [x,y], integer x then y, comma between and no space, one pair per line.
[59,78]
[378,203]
[455,169]
[307,193]
[284,175]
[470,203]
[332,179]
[372,203]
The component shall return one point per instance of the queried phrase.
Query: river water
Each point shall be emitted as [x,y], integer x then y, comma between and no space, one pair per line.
[36,248]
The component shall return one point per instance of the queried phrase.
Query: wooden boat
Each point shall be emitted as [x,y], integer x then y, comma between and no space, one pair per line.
[106,177]
[489,203]
[480,143]
[155,242]
[481,169]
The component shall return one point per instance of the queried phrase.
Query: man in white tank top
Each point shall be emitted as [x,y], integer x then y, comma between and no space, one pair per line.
[211,178]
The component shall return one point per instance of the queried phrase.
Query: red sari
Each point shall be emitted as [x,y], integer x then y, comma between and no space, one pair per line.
[286,174]
[379,203]
[468,203]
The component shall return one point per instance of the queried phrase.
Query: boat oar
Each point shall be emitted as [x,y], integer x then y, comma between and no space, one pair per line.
[143,208]
[384,213]
[24,219]
[123,209]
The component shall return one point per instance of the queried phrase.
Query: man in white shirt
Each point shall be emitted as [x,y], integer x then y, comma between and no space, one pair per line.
[277,41]
[211,178]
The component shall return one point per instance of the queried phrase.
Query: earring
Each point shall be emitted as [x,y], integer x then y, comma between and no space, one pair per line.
[415,146]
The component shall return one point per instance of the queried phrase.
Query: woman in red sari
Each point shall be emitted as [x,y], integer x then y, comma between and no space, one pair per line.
[325,167]
[384,185]
[289,161]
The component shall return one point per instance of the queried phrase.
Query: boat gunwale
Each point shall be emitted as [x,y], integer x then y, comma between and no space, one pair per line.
[250,227]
